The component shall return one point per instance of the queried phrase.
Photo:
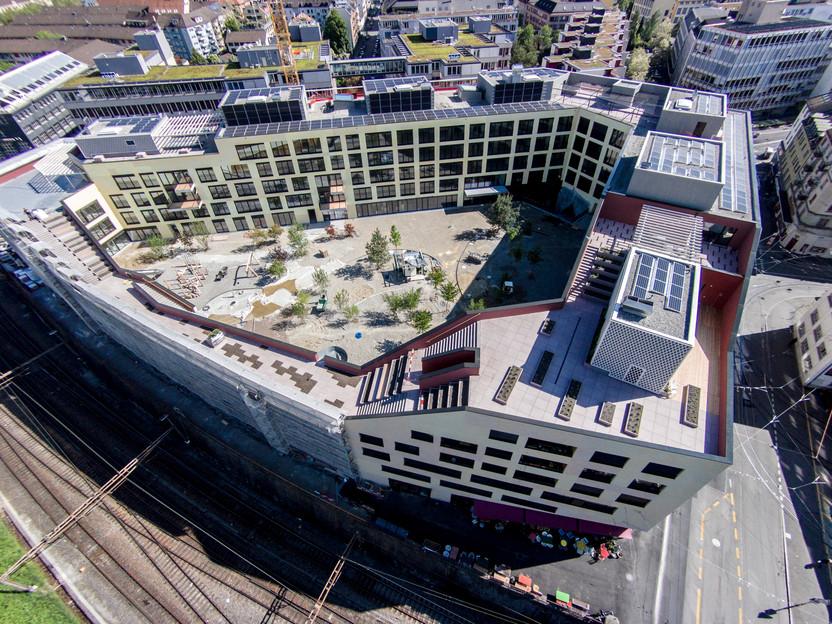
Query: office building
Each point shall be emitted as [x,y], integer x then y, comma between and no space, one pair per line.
[398,95]
[264,106]
[157,6]
[763,62]
[805,169]
[811,332]
[31,111]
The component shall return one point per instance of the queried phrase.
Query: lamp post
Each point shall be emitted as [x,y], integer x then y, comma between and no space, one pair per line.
[770,613]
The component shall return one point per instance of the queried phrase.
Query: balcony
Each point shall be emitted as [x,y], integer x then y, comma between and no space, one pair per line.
[187,204]
[184,187]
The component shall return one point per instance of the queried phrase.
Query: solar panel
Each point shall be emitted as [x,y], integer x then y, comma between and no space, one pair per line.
[673,301]
[659,283]
[642,283]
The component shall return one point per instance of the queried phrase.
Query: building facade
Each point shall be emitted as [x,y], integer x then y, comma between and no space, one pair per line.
[811,333]
[762,62]
[200,31]
[596,43]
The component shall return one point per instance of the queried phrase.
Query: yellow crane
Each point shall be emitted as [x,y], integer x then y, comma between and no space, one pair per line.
[284,43]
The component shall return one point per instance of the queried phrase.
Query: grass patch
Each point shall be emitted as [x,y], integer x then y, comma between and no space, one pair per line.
[42,607]
[421,49]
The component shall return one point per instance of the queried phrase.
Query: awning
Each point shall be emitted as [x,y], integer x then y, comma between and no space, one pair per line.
[485,191]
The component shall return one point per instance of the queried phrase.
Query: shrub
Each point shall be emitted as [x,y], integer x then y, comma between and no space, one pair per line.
[342,300]
[298,241]
[436,276]
[351,312]
[320,279]
[349,229]
[421,320]
[277,269]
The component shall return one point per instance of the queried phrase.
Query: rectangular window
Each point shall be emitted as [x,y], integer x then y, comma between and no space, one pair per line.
[550,447]
[126,182]
[476,131]
[406,156]
[427,154]
[455,459]
[498,453]
[541,144]
[450,169]
[502,485]
[240,224]
[588,490]
[296,201]
[284,167]
[635,501]
[245,189]
[336,162]
[597,475]
[476,149]
[501,129]
[544,126]
[522,146]
[275,186]
[220,209]
[370,439]
[543,464]
[426,135]
[406,473]
[364,192]
[149,179]
[283,218]
[220,226]
[424,437]
[356,161]
[407,189]
[91,212]
[451,133]
[404,137]
[465,488]
[427,187]
[407,173]
[308,165]
[380,159]
[388,190]
[451,152]
[254,151]
[534,478]
[160,198]
[236,172]
[496,164]
[379,139]
[565,124]
[150,216]
[578,502]
[130,218]
[219,191]
[448,472]
[264,169]
[353,142]
[525,126]
[660,470]
[206,175]
[458,445]
[407,448]
[374,453]
[501,436]
[248,205]
[608,459]
[474,166]
[599,132]
[119,201]
[448,185]
[307,146]
[646,486]
[583,125]
[300,184]
[528,503]
[280,149]
[382,175]
[493,468]
[259,221]
[333,144]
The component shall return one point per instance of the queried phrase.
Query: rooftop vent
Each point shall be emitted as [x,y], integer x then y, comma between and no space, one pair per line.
[685,104]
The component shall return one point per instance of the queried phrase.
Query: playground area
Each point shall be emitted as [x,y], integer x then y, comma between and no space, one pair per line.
[227,276]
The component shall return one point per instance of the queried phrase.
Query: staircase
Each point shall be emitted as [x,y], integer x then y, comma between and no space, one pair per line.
[78,243]
[603,274]
[452,394]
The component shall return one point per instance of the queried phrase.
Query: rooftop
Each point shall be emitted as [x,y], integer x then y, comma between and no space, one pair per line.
[683,156]
[23,84]
[244,96]
[698,102]
[387,85]
[419,49]
[784,24]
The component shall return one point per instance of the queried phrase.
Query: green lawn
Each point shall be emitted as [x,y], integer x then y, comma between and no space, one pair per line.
[42,607]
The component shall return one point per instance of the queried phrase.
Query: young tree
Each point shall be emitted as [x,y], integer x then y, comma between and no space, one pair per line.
[638,64]
[298,241]
[300,307]
[197,59]
[504,215]
[213,59]
[349,229]
[395,236]
[421,320]
[330,231]
[321,280]
[436,276]
[274,233]
[277,269]
[335,30]
[342,300]
[661,36]
[351,312]
[231,24]
[410,299]
[158,247]
[394,303]
[449,292]
[378,249]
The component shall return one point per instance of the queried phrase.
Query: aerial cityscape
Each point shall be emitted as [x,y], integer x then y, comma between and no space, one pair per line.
[420,311]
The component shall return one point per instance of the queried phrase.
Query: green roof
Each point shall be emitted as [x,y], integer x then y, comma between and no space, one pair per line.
[430,51]
[473,41]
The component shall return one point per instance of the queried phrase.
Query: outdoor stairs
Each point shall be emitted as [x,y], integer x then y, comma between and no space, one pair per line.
[450,395]
[73,238]
[382,389]
[603,274]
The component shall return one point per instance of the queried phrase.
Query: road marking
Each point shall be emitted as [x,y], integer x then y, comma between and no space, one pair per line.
[739,613]
[739,570]
[698,605]
[734,516]
[700,572]
[736,534]
[716,504]
[732,499]
[702,527]
[739,593]
[737,552]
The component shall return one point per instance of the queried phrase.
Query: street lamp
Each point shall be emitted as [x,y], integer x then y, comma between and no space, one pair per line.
[770,613]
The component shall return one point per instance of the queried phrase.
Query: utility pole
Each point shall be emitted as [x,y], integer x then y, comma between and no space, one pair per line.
[73,518]
[333,578]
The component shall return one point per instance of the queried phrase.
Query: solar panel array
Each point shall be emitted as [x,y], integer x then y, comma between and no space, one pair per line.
[243,94]
[659,283]
[673,300]
[736,194]
[663,277]
[384,85]
[645,270]
[683,156]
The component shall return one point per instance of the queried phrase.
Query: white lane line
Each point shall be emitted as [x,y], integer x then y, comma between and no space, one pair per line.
[662,562]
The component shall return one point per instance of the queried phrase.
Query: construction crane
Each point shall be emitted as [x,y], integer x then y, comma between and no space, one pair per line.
[284,43]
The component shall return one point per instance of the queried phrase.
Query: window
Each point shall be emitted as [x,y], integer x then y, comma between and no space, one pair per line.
[528,503]
[646,486]
[427,187]
[455,459]
[252,151]
[550,447]
[220,209]
[159,198]
[149,179]
[427,171]
[801,330]
[245,189]
[617,138]
[150,216]
[497,164]
[308,165]
[660,470]
[458,445]
[499,147]
[588,490]
[565,124]
[451,133]
[407,189]
[523,146]
[264,170]
[248,205]
[382,175]
[541,144]
[280,149]
[380,159]
[119,201]
[424,437]
[476,131]
[608,459]
[406,156]
[493,468]
[502,485]
[817,332]
[388,190]
[534,478]
[333,144]
[499,453]
[370,439]
[583,125]
[543,464]
[171,178]
[474,166]
[220,226]
[126,182]
[426,135]
[578,502]
[379,139]
[525,126]
[501,129]
[821,351]
[465,488]
[275,203]
[101,230]
[599,132]
[812,317]
[336,161]
[407,173]
[501,436]
[407,448]
[356,162]
[259,221]
[363,193]
[284,218]
[219,191]
[451,152]
[206,175]
[448,472]
[635,501]
[236,172]
[300,184]
[296,201]
[307,146]
[374,453]
[475,149]
[130,218]
[353,142]
[427,154]
[597,475]
[275,186]
[406,473]
[404,137]
[544,126]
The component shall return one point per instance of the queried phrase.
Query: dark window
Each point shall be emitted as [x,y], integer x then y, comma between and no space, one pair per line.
[284,167]
[635,501]
[455,459]
[407,189]
[357,178]
[424,437]
[465,488]
[404,137]
[426,135]
[578,502]
[475,149]
[308,165]
[501,436]
[564,124]
[427,171]
[550,447]
[457,445]
[646,486]
[220,226]
[300,184]
[356,161]
[219,191]
[245,189]
[493,468]
[336,161]
[364,192]
[251,152]
[408,488]
[499,453]
[580,488]
[474,166]
[296,201]
[235,172]
[374,453]
[369,439]
[280,149]
[503,485]
[406,473]
[451,133]
[283,218]
[407,448]
[522,146]
[275,186]
[544,126]
[382,175]
[379,139]
[248,205]
[608,459]
[597,475]
[308,146]
[448,472]
[388,190]
[149,179]
[406,156]
[427,187]
[476,131]
[449,185]
[660,470]
[264,169]
[501,129]
[525,126]
[583,125]
[220,209]
[150,216]
[353,142]
[599,131]
[427,153]
[495,148]
[451,152]
[527,503]
[379,159]
[543,464]
[333,144]
[407,173]
[206,175]
[119,201]
[534,478]
[126,182]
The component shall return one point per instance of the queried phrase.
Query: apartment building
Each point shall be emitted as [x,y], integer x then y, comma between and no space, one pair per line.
[31,111]
[199,31]
[674,10]
[811,332]
[557,15]
[505,18]
[763,62]
[596,44]
[353,12]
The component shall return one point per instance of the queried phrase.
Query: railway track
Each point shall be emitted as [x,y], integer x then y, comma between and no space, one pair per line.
[203,580]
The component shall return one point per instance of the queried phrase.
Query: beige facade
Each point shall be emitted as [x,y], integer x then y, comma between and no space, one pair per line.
[814,350]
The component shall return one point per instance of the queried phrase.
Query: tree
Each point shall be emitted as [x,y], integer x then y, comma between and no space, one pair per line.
[349,229]
[274,232]
[410,299]
[449,292]
[421,320]
[436,276]
[298,241]
[342,300]
[378,249]
[321,280]
[277,269]
[661,36]
[214,59]
[545,38]
[638,64]
[395,236]
[335,30]
[231,24]
[394,303]
[649,27]
[158,247]
[635,32]
[524,50]
[301,303]
[351,312]
[505,215]
[197,59]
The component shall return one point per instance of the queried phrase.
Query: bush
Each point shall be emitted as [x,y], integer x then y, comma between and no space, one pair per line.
[377,249]
[330,231]
[158,247]
[349,229]
[449,292]
[476,304]
[342,300]
[351,312]
[277,269]
[320,279]
[298,241]
[300,307]
[258,237]
[436,276]
[421,320]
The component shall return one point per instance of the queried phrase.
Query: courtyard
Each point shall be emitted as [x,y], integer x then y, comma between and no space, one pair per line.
[333,296]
